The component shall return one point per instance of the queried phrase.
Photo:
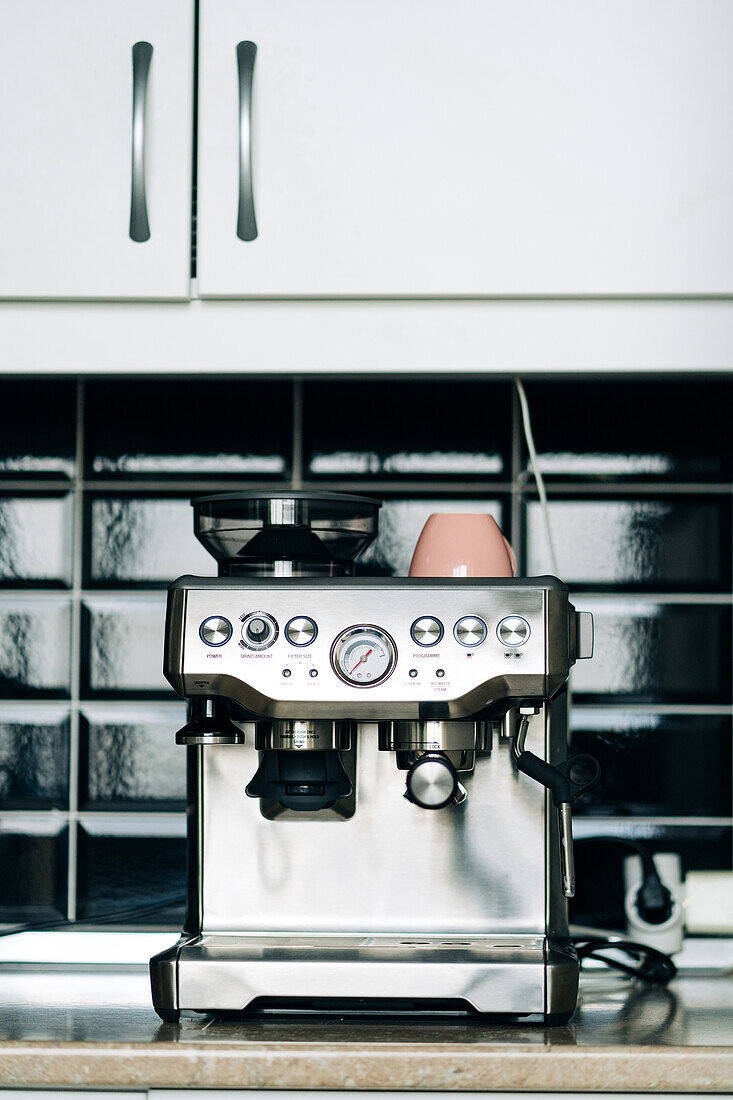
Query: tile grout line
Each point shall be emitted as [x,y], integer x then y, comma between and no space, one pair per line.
[75,669]
[183,487]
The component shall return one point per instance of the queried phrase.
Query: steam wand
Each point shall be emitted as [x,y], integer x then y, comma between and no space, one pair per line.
[557,778]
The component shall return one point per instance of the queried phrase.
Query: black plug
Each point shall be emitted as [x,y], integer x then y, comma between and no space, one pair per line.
[653,900]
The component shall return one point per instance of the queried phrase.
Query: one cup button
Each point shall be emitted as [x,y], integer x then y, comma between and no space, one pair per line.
[470,630]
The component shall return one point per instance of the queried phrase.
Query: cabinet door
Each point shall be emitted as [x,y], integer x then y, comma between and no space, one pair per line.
[470,147]
[67,79]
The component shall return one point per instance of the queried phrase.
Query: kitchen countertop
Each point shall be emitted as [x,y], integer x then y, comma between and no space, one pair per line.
[91,1028]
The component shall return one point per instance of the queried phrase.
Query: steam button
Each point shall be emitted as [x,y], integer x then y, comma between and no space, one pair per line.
[513,630]
[301,630]
[215,631]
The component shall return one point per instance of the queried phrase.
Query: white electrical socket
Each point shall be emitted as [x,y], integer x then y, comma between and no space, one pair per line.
[666,937]
[709,903]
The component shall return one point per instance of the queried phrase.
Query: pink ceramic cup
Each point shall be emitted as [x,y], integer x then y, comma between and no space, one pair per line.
[465,544]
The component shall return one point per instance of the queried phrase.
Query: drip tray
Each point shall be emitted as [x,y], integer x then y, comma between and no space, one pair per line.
[235,973]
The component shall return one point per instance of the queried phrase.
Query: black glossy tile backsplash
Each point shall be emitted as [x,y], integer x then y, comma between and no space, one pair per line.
[38,429]
[195,429]
[95,481]
[398,430]
[675,544]
[34,758]
[33,885]
[35,540]
[124,871]
[35,646]
[128,759]
[678,430]
[647,766]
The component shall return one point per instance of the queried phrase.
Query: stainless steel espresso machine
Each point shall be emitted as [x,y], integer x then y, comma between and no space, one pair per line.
[379,789]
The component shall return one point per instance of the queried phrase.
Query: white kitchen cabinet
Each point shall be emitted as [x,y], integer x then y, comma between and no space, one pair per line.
[467,148]
[66,131]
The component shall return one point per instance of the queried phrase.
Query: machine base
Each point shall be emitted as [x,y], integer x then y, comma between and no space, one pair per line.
[488,975]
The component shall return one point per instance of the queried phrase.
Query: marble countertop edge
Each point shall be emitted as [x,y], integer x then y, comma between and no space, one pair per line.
[362,1066]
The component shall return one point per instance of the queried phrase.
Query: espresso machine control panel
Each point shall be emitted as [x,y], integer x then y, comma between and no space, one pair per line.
[429,648]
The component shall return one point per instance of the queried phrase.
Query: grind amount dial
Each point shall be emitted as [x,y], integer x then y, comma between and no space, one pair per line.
[363,656]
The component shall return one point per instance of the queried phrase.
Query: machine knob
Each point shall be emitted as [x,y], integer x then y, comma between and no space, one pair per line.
[432,783]
[513,630]
[215,631]
[301,630]
[259,631]
[426,631]
[470,630]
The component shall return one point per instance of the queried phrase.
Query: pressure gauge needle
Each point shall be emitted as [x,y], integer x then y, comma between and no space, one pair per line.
[361,661]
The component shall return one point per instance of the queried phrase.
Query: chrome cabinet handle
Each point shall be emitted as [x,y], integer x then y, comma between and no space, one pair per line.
[246,223]
[141,55]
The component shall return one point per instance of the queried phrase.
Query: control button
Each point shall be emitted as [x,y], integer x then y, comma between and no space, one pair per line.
[426,631]
[470,630]
[513,630]
[313,673]
[413,673]
[259,631]
[440,673]
[301,630]
[287,673]
[215,631]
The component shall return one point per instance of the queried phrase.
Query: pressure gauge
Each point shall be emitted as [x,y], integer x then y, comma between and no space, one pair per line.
[363,656]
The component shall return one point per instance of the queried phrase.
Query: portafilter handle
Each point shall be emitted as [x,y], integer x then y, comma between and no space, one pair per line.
[432,783]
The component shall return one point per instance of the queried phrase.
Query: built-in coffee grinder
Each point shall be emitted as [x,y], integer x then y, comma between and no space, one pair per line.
[379,789]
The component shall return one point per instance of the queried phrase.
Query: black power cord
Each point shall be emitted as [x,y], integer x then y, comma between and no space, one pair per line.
[652,966]
[654,903]
[104,918]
